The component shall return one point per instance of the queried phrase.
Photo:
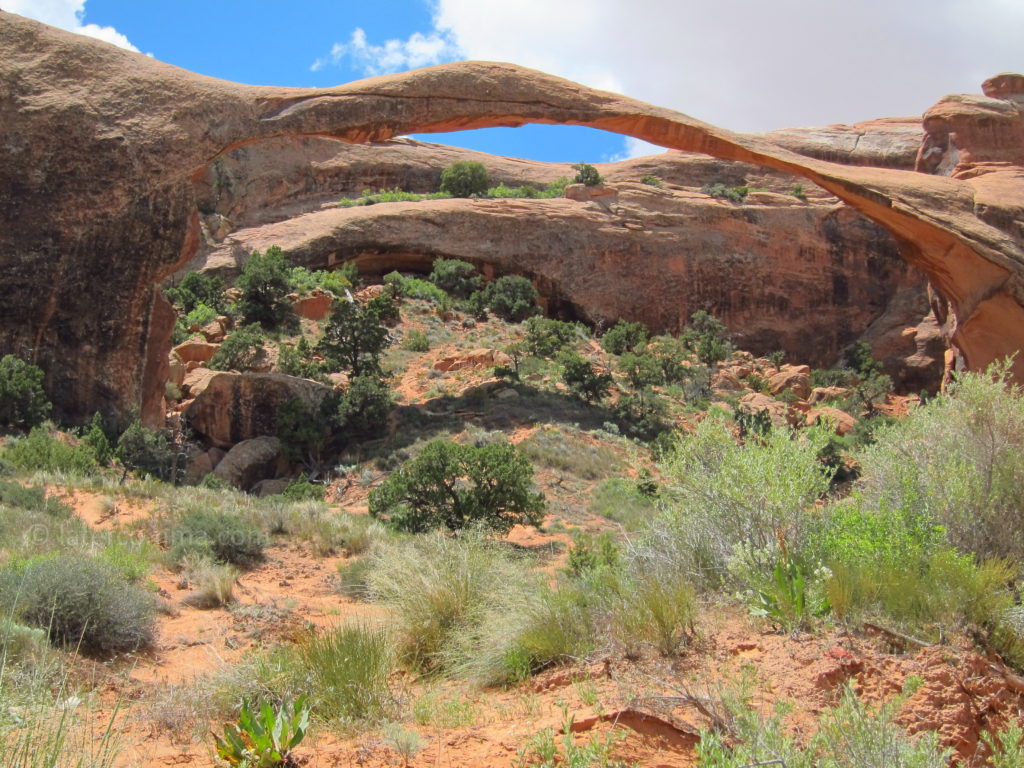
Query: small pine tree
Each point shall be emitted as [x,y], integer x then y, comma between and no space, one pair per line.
[195,289]
[143,450]
[23,403]
[580,377]
[513,298]
[96,438]
[624,336]
[355,336]
[265,283]
[240,351]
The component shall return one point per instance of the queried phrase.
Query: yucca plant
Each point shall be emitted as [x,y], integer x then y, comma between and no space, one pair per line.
[264,739]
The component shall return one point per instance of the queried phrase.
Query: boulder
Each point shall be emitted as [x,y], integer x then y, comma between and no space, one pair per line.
[582,193]
[195,381]
[727,380]
[176,371]
[842,422]
[272,487]
[793,377]
[233,407]
[821,394]
[215,331]
[313,307]
[756,402]
[195,351]
[250,461]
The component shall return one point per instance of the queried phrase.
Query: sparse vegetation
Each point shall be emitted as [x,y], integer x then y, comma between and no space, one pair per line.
[23,403]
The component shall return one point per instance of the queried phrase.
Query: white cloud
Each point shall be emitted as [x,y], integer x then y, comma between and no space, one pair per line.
[752,65]
[66,14]
[635,148]
[419,50]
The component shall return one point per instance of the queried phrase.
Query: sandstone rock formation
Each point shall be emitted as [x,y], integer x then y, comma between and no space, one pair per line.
[249,462]
[103,147]
[233,407]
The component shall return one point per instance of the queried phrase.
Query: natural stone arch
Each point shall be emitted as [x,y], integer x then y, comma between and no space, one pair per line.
[96,203]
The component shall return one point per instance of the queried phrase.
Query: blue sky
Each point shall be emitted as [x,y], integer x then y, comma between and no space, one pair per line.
[748,65]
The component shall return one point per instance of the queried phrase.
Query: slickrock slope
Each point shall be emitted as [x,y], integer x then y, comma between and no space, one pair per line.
[102,146]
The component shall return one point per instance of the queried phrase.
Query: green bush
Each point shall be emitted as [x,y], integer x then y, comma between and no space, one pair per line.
[454,486]
[299,361]
[465,178]
[395,195]
[23,403]
[39,451]
[734,194]
[624,337]
[545,338]
[221,536]
[303,490]
[196,289]
[265,284]
[144,450]
[512,298]
[620,501]
[364,408]
[82,603]
[416,341]
[95,437]
[304,281]
[455,277]
[652,181]
[582,379]
[586,174]
[15,495]
[241,350]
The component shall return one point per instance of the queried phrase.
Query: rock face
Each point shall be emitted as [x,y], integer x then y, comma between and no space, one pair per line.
[233,407]
[94,213]
[785,274]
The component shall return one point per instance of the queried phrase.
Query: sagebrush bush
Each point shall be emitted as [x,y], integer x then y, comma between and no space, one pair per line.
[958,460]
[570,453]
[219,535]
[620,501]
[16,495]
[39,451]
[81,602]
[213,584]
[730,507]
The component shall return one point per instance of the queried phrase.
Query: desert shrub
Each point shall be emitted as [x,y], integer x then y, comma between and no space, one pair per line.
[95,437]
[465,178]
[798,192]
[454,486]
[582,379]
[670,353]
[302,432]
[652,609]
[16,495]
[39,451]
[733,194]
[652,181]
[219,535]
[355,336]
[958,461]
[303,490]
[23,403]
[265,285]
[641,415]
[304,281]
[618,500]
[395,195]
[299,361]
[416,288]
[241,350]
[201,315]
[141,449]
[545,338]
[624,336]
[365,406]
[455,277]
[129,557]
[589,552]
[81,603]
[730,507]
[438,587]
[555,449]
[213,584]
[512,298]
[586,174]
[416,341]
[708,337]
[197,289]
[642,371]
[1006,747]
[346,671]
